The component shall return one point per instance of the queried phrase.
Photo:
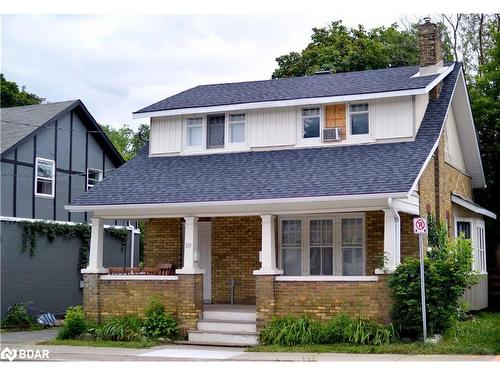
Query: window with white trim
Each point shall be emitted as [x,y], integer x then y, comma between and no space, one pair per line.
[311,122]
[352,246]
[481,247]
[216,125]
[45,177]
[291,246]
[322,245]
[93,177]
[236,124]
[194,133]
[359,119]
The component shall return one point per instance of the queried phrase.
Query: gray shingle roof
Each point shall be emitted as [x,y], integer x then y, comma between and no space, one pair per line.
[315,86]
[18,122]
[321,171]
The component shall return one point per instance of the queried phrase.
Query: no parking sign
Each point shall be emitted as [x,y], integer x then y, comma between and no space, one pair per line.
[419,225]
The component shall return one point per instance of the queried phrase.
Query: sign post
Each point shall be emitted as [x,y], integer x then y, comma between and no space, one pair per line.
[420,228]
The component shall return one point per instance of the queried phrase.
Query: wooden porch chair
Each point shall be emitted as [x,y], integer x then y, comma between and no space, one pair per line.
[164,269]
[116,270]
[151,270]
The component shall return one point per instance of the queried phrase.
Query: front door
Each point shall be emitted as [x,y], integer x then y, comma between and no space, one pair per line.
[205,262]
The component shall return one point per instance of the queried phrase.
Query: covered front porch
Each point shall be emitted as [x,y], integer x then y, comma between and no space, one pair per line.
[318,258]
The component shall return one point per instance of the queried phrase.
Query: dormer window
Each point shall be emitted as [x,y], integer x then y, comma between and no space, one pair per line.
[359,119]
[310,122]
[194,131]
[237,128]
[215,131]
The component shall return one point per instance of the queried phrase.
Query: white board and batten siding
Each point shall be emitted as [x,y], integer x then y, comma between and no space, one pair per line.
[392,117]
[272,127]
[453,149]
[166,134]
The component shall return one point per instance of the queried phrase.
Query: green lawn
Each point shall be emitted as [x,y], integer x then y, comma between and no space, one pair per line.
[102,343]
[480,335]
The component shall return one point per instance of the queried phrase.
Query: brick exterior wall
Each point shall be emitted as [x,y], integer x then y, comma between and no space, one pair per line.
[323,300]
[409,240]
[132,297]
[436,184]
[265,299]
[236,243]
[90,298]
[163,242]
[374,241]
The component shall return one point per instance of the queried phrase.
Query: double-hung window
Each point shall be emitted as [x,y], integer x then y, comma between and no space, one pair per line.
[359,118]
[215,131]
[352,246]
[237,128]
[194,136]
[93,177]
[321,247]
[330,245]
[45,177]
[291,246]
[311,122]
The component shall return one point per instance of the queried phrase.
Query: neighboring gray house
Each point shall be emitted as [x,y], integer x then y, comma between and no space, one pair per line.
[51,153]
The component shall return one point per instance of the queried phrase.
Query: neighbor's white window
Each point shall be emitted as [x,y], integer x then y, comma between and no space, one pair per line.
[194,131]
[93,177]
[359,119]
[352,246]
[45,177]
[237,128]
[311,122]
[325,245]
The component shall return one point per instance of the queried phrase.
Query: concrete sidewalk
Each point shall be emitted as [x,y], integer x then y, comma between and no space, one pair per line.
[28,340]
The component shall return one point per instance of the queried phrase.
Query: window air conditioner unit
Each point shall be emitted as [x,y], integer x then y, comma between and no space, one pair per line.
[331,134]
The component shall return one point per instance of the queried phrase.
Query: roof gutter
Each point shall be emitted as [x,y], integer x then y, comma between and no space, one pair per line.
[295,102]
[248,206]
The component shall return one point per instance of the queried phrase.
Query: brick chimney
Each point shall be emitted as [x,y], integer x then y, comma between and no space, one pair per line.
[431,51]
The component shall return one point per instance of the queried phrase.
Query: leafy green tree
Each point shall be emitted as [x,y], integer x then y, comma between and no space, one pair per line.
[11,96]
[127,141]
[485,102]
[340,49]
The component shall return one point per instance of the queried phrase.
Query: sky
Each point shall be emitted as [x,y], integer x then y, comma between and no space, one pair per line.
[119,64]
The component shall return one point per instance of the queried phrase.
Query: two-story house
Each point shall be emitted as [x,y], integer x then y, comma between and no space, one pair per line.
[51,153]
[291,196]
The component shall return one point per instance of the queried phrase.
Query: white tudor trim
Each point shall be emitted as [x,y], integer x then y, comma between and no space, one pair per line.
[296,102]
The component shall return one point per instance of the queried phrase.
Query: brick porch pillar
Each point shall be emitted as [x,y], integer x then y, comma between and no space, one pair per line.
[264,299]
[91,303]
[189,301]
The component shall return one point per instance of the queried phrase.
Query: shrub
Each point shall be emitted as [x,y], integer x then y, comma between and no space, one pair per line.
[18,315]
[126,328]
[334,331]
[74,324]
[288,331]
[158,323]
[447,275]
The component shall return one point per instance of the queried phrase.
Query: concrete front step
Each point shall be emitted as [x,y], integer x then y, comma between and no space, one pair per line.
[229,312]
[227,325]
[220,337]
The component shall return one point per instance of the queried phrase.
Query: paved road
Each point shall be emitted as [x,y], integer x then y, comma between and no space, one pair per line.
[29,340]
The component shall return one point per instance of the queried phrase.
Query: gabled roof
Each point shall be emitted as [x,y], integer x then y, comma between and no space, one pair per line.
[293,173]
[313,86]
[16,123]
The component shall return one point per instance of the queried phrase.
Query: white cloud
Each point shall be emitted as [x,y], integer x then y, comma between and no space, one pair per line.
[117,65]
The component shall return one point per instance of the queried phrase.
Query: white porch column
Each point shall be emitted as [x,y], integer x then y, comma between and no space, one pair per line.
[96,247]
[268,248]
[392,242]
[191,251]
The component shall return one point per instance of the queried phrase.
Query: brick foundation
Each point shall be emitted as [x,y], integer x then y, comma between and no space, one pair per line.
[265,299]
